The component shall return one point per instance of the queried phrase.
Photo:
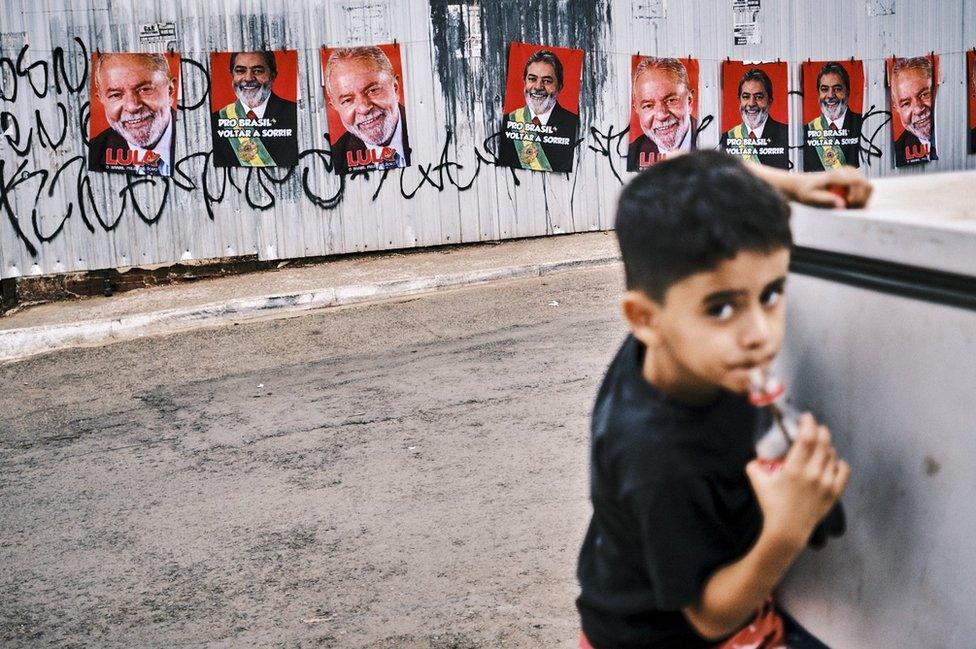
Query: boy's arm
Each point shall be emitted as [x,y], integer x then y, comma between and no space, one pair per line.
[814,188]
[793,500]
[734,593]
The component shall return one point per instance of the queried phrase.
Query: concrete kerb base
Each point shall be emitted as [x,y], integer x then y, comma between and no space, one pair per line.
[17,344]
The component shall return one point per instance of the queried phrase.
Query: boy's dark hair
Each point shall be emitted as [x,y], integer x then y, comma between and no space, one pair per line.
[688,214]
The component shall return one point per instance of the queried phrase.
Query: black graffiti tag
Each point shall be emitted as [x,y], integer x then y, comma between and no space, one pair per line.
[868,148]
[434,175]
[608,145]
[42,69]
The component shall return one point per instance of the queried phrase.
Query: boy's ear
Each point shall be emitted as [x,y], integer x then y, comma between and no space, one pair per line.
[643,316]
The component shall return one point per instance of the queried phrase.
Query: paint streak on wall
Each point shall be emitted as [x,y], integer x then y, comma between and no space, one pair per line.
[465,79]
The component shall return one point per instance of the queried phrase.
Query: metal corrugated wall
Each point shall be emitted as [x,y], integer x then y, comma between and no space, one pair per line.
[57,218]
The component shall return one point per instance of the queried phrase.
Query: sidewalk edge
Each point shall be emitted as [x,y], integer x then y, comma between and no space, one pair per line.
[18,344]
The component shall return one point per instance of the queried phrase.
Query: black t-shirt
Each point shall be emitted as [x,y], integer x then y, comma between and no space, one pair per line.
[671,504]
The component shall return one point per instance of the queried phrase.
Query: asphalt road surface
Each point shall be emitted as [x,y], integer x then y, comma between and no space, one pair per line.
[408,474]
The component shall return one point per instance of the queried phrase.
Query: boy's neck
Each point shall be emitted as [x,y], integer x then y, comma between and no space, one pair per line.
[668,376]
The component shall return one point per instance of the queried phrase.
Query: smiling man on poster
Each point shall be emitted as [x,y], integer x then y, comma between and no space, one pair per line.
[258,129]
[913,99]
[137,92]
[759,137]
[541,135]
[833,137]
[363,90]
[662,100]
[971,84]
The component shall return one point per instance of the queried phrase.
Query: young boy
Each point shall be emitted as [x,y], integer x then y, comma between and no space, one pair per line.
[690,534]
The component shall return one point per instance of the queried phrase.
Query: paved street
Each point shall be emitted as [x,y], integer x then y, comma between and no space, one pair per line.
[403,474]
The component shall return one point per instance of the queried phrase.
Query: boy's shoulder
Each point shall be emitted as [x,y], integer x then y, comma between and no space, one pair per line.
[636,429]
[625,397]
[632,420]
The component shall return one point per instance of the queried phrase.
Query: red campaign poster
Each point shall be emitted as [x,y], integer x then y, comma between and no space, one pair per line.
[254,109]
[133,112]
[912,83]
[541,122]
[971,86]
[833,103]
[365,104]
[663,109]
[755,112]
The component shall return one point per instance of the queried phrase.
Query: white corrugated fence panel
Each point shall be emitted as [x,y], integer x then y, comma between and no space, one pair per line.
[57,217]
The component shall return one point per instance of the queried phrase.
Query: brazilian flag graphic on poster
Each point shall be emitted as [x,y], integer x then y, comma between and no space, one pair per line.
[833,100]
[540,125]
[254,109]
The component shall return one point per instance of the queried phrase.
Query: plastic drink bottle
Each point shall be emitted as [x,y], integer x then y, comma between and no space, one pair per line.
[767,391]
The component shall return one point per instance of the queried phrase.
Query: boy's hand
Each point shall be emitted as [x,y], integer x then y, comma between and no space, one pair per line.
[797,496]
[793,499]
[844,187]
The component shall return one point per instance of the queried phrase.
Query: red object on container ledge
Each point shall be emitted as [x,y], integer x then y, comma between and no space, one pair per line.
[838,190]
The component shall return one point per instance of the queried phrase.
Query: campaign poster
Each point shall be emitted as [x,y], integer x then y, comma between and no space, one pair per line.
[912,83]
[833,101]
[664,109]
[254,109]
[133,112]
[541,121]
[755,112]
[971,86]
[365,103]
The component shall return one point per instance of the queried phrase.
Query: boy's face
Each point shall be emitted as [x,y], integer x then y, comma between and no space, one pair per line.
[714,326]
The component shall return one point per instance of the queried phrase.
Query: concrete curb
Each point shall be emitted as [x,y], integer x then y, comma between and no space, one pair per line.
[18,344]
